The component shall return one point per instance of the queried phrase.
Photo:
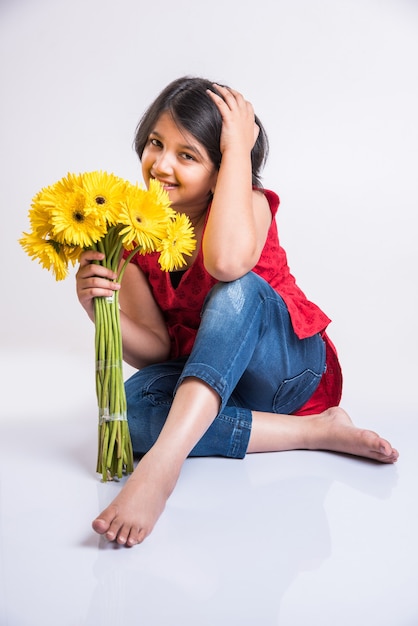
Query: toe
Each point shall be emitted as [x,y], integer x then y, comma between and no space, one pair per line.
[386,448]
[123,535]
[100,525]
[114,530]
[136,536]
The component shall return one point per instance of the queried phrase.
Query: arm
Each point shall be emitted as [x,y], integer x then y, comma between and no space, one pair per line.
[240,217]
[145,337]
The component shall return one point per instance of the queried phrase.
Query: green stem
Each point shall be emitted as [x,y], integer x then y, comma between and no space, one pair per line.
[115,454]
[126,263]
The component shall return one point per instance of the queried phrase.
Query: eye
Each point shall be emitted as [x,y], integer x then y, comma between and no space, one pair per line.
[155,142]
[186,156]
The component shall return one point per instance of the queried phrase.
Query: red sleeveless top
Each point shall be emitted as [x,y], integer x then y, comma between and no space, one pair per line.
[182,305]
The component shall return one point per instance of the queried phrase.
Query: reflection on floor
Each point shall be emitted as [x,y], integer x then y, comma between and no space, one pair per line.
[283,539]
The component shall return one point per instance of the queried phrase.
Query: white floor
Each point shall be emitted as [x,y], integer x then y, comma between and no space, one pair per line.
[289,538]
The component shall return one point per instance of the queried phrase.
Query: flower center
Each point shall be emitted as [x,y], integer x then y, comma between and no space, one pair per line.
[78,216]
[100,200]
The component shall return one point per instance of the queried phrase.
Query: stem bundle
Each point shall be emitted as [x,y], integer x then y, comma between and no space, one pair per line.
[115,456]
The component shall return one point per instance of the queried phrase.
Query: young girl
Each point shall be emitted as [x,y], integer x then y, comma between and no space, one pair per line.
[231,356]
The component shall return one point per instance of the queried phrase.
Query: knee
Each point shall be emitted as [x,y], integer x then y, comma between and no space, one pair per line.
[236,293]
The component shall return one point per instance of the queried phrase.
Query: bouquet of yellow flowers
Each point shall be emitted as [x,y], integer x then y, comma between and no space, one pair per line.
[100,211]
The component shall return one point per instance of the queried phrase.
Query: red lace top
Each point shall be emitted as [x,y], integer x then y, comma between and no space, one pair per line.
[181,306]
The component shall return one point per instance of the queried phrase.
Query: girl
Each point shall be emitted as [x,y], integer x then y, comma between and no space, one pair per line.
[231,356]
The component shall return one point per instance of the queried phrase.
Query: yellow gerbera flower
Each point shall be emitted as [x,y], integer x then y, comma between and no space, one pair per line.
[62,211]
[50,254]
[71,182]
[179,241]
[49,197]
[105,193]
[74,222]
[72,253]
[40,216]
[158,195]
[145,214]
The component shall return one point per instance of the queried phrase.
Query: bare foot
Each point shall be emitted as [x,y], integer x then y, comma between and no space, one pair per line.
[133,513]
[335,431]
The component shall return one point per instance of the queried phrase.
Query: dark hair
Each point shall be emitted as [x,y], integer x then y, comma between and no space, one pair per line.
[192,109]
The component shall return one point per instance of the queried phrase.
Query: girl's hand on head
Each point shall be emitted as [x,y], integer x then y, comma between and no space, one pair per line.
[239,130]
[93,280]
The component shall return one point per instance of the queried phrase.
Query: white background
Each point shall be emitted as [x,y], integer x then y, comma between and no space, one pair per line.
[335,83]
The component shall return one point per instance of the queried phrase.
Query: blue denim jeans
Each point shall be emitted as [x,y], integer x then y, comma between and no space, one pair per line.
[247,351]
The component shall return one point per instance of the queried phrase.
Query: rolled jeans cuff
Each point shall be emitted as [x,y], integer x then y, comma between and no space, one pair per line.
[228,435]
[208,375]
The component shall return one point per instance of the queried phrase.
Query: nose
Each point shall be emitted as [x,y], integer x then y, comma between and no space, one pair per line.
[163,164]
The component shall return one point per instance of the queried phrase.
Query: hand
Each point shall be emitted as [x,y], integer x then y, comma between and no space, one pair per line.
[239,129]
[93,280]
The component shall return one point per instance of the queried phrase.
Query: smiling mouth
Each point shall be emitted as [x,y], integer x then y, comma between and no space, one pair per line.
[166,184]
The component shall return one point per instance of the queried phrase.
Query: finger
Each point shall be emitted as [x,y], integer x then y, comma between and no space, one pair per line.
[93,269]
[95,289]
[90,255]
[232,96]
[225,101]
[97,283]
[226,91]
[215,97]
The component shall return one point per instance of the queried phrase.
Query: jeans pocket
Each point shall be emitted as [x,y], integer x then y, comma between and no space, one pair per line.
[295,391]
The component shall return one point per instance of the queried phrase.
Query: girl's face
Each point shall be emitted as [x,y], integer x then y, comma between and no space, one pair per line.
[181,164]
